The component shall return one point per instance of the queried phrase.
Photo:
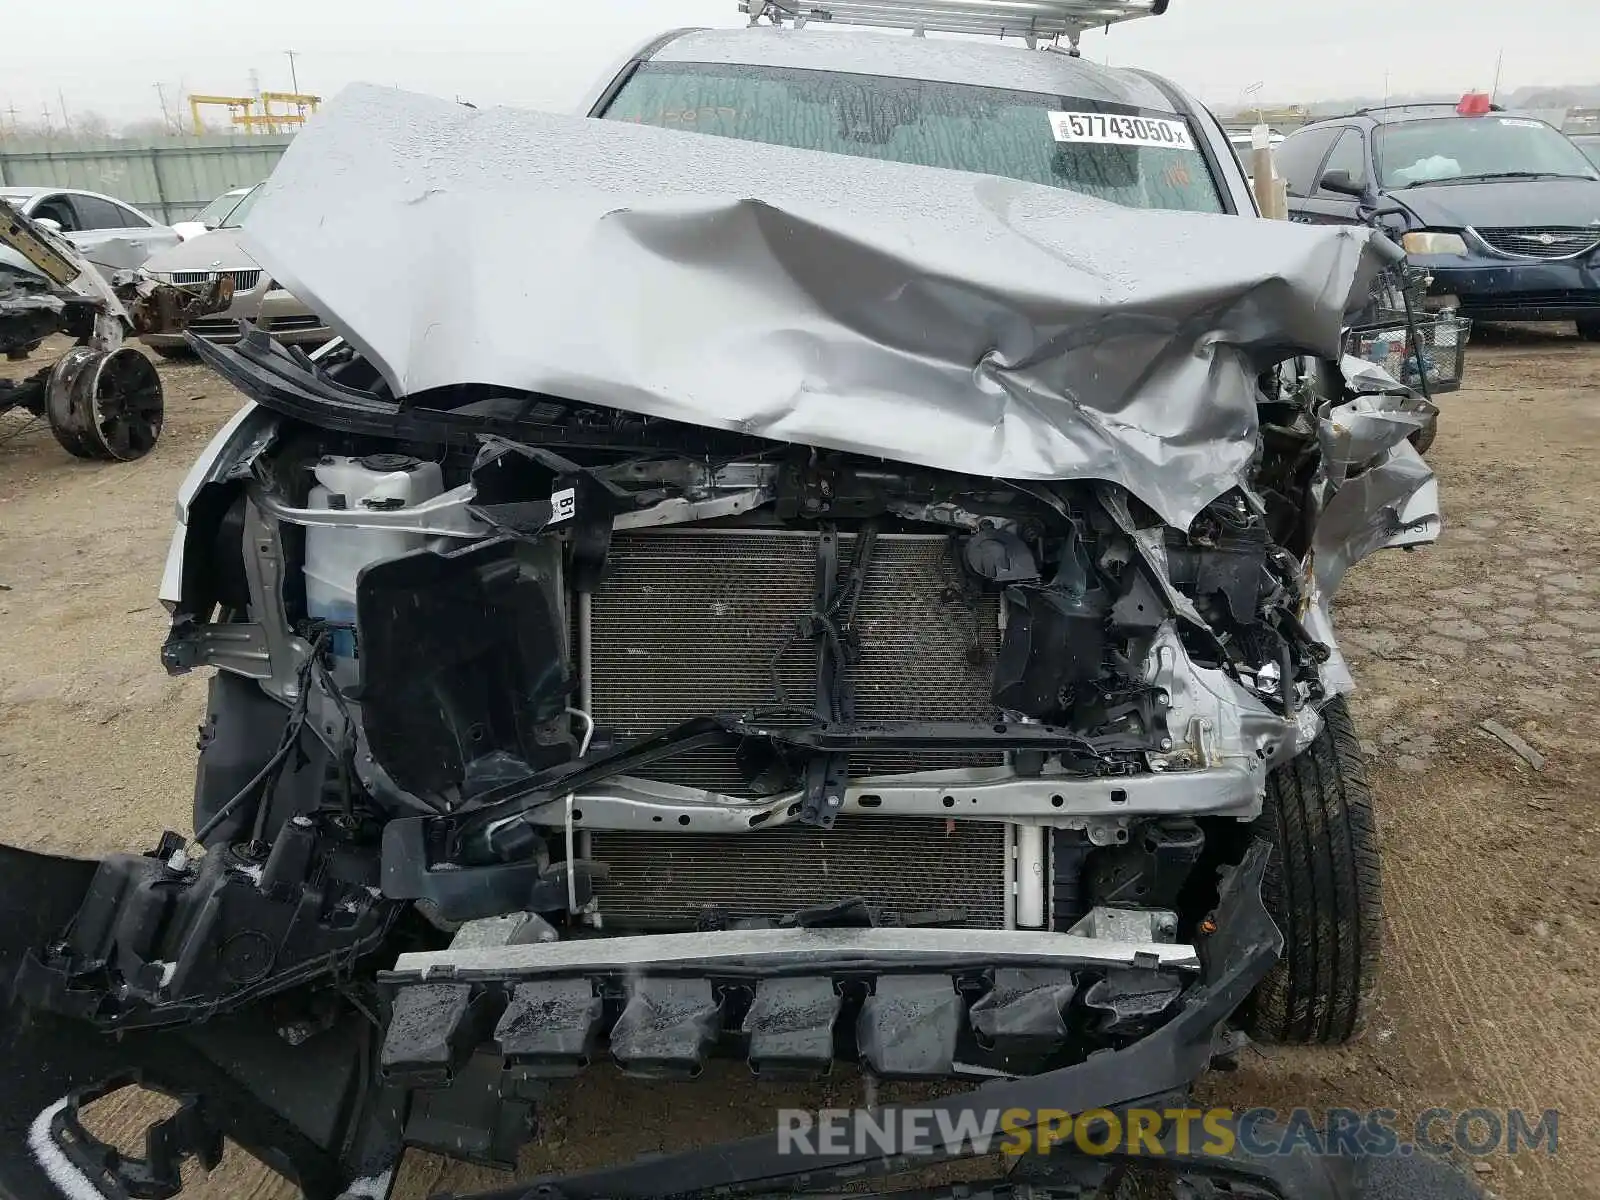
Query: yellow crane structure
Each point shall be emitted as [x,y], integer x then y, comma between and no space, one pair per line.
[242,110]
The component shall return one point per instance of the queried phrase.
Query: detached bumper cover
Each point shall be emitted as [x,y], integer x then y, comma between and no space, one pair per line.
[294,1105]
[323,1115]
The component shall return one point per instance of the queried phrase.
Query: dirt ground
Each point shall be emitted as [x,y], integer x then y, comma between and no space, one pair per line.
[1492,989]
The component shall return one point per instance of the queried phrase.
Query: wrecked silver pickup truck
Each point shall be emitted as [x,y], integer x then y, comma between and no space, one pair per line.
[825,610]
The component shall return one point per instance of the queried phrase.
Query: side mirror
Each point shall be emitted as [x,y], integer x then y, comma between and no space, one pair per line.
[50,223]
[1340,183]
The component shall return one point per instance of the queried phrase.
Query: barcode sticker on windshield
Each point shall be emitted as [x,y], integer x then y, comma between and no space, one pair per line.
[1110,129]
[1522,122]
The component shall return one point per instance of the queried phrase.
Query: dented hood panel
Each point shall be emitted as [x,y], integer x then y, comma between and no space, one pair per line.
[936,317]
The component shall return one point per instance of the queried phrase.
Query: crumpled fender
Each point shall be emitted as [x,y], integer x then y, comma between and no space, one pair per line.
[1393,503]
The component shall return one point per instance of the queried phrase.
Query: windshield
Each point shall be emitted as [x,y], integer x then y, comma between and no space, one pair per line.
[242,209]
[1442,149]
[212,214]
[1133,157]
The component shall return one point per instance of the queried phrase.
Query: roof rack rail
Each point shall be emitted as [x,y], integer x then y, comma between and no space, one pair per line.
[1032,20]
[1379,108]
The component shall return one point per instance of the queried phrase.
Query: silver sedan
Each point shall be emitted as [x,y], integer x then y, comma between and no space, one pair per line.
[255,296]
[112,235]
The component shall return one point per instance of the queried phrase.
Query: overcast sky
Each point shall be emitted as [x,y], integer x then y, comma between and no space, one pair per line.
[107,55]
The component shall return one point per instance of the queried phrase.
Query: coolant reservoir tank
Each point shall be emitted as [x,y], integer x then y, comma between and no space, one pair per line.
[336,555]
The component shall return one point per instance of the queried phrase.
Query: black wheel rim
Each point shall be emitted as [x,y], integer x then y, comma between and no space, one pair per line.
[128,405]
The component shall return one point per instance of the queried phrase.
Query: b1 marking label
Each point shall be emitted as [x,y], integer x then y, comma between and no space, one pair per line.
[563,505]
[1110,129]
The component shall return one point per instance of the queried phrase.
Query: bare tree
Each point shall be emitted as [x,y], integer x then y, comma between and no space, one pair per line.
[146,128]
[91,125]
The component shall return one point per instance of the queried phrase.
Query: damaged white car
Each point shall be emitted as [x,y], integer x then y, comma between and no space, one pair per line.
[862,597]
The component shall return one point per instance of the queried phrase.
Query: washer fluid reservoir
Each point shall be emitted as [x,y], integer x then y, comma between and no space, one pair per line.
[335,556]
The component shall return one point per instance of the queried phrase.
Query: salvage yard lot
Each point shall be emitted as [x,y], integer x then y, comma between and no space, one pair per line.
[1491,995]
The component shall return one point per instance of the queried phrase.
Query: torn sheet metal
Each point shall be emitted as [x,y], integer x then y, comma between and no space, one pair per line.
[1394,503]
[1357,432]
[947,319]
[1364,378]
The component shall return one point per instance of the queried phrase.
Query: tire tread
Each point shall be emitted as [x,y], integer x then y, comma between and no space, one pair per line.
[1323,886]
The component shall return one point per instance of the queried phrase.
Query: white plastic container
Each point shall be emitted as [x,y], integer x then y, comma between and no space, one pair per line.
[335,557]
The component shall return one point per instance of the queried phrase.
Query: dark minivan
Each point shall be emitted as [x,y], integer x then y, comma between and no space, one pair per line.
[1501,208]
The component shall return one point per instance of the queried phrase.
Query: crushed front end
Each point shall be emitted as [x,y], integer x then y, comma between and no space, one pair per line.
[667,745]
[651,717]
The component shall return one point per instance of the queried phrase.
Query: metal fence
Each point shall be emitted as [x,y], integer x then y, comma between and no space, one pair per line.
[170,179]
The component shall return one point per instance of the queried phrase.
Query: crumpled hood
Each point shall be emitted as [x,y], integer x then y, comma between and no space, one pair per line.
[1505,202]
[935,317]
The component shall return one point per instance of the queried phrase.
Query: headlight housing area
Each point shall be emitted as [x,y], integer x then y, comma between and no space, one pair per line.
[1432,241]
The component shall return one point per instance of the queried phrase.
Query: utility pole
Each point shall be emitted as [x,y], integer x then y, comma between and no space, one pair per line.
[166,117]
[66,121]
[294,78]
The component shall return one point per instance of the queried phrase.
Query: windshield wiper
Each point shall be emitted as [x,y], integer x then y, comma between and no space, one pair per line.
[1479,176]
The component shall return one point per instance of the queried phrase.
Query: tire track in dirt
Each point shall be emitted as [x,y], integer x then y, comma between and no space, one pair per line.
[1482,1070]
[1497,1010]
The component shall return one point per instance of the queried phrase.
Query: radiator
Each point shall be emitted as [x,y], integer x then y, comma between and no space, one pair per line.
[688,623]
[689,620]
[902,864]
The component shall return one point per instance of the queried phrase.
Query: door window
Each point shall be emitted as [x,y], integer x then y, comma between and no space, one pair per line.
[57,209]
[132,218]
[95,213]
[1350,155]
[1299,156]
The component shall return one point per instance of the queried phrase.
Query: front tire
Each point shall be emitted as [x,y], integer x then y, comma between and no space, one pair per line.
[1589,329]
[1324,889]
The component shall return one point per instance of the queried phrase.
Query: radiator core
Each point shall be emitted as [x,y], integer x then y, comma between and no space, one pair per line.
[692,621]
[903,865]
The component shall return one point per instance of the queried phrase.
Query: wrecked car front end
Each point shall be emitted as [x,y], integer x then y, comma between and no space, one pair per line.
[101,399]
[799,629]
